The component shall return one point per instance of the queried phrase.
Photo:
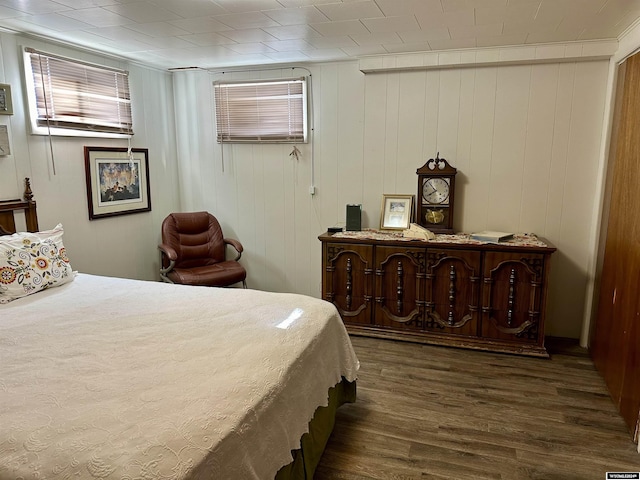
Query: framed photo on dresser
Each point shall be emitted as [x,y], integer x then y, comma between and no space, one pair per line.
[397,211]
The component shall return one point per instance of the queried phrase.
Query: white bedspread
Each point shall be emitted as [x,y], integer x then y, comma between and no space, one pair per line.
[123,379]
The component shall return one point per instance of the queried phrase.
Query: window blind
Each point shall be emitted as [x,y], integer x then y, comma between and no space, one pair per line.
[75,95]
[261,112]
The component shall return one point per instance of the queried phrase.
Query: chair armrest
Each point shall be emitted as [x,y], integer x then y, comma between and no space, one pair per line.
[171,255]
[168,251]
[235,244]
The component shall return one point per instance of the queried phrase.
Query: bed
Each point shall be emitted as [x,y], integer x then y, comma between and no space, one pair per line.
[114,378]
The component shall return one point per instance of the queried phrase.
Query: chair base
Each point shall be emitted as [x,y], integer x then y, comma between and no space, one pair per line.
[166,279]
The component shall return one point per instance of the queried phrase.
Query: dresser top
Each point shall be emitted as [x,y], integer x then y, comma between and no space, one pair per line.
[527,241]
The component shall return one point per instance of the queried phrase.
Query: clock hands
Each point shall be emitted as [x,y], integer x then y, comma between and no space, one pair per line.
[433,189]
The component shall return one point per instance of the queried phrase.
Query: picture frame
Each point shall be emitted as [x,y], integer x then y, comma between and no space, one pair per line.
[397,212]
[117,182]
[6,105]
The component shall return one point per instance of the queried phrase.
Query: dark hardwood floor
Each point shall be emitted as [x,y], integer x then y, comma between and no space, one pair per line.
[443,413]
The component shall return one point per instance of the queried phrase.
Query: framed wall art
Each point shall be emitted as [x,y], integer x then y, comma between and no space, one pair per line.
[6,105]
[117,182]
[397,211]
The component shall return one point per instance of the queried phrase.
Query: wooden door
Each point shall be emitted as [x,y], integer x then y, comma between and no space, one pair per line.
[512,297]
[348,280]
[400,274]
[453,290]
[615,341]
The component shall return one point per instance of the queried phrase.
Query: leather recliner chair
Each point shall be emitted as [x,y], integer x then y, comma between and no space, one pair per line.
[193,252]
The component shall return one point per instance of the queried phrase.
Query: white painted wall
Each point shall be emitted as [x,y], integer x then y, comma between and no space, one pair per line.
[525,139]
[123,246]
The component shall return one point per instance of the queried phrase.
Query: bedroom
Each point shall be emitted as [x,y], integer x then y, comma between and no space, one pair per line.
[527,128]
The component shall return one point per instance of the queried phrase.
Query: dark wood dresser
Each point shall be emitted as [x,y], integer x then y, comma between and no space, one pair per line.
[450,291]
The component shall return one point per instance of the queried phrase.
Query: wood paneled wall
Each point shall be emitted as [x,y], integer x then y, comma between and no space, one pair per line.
[525,139]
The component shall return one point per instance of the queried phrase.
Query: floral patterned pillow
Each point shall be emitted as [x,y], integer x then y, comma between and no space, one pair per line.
[31,262]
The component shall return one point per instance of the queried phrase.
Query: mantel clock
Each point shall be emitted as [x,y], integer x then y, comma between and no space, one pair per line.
[436,188]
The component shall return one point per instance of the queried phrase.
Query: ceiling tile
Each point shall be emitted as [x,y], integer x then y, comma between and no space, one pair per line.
[376,38]
[453,43]
[615,10]
[194,52]
[348,27]
[520,12]
[247,20]
[423,36]
[409,7]
[58,22]
[200,25]
[537,2]
[332,42]
[404,23]
[152,57]
[195,32]
[191,8]
[303,3]
[127,46]
[287,57]
[580,23]
[326,54]
[557,36]
[18,24]
[238,59]
[476,31]
[628,20]
[241,6]
[6,12]
[408,47]
[365,50]
[351,11]
[501,40]
[83,37]
[34,7]
[289,45]
[119,33]
[98,17]
[555,10]
[158,29]
[168,42]
[186,57]
[447,19]
[249,35]
[291,32]
[296,16]
[78,4]
[245,48]
[597,33]
[456,5]
[204,39]
[143,12]
[529,27]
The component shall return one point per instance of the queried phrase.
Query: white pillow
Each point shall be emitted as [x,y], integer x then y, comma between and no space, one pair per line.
[31,262]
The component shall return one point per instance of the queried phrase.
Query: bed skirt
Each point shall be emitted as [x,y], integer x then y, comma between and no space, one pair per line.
[312,444]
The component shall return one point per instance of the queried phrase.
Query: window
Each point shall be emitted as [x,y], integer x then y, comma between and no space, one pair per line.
[70,97]
[261,112]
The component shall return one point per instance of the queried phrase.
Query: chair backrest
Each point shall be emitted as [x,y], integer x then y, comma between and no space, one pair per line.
[196,237]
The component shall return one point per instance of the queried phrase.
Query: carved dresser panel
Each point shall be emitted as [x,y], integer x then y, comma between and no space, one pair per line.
[460,293]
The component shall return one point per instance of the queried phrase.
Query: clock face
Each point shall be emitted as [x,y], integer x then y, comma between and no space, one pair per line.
[435,191]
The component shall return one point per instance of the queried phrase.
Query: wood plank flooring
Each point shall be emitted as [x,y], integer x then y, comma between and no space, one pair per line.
[432,412]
